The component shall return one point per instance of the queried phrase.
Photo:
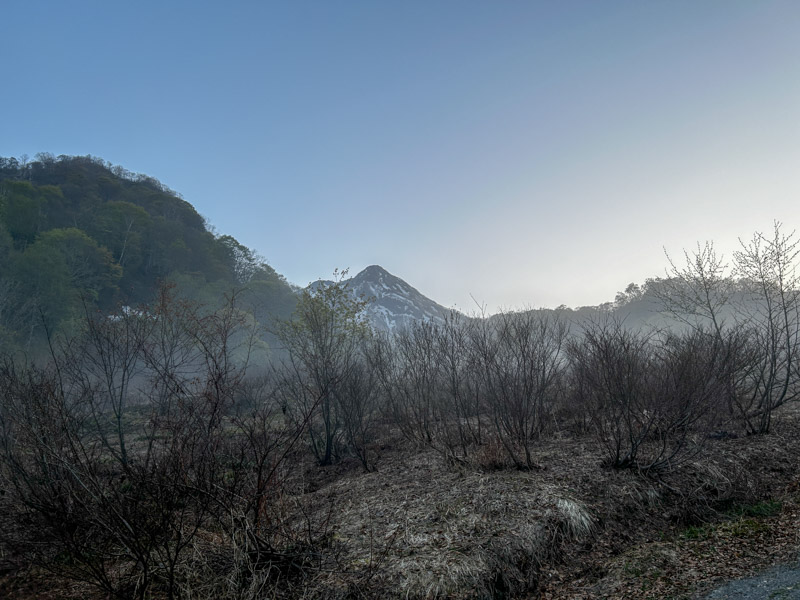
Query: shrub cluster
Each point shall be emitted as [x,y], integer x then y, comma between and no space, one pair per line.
[149,456]
[141,442]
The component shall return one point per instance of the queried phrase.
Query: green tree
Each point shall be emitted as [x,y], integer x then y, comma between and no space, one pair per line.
[58,273]
[91,268]
[21,211]
[118,226]
[7,286]
[241,260]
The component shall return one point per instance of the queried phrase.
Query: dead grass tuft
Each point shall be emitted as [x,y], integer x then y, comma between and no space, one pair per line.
[432,531]
[579,523]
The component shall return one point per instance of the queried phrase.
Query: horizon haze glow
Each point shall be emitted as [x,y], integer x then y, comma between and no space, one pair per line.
[519,153]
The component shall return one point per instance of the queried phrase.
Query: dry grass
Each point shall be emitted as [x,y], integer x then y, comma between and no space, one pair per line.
[433,531]
[420,528]
[707,527]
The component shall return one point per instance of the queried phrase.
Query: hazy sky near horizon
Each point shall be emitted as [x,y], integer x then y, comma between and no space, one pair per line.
[521,153]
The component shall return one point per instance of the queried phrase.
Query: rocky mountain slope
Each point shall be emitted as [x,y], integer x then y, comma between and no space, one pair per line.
[393,303]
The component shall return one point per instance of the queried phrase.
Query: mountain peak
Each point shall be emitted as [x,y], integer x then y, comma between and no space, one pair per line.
[373,271]
[391,302]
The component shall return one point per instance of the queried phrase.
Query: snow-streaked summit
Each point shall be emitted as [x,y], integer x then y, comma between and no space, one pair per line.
[391,302]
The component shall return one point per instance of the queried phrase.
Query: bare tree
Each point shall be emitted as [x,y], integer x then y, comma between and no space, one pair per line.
[102,363]
[756,316]
[649,396]
[323,341]
[698,292]
[201,451]
[462,395]
[521,363]
[690,390]
[359,405]
[767,266]
[409,373]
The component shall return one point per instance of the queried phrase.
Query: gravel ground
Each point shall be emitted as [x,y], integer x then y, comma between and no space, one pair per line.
[776,584]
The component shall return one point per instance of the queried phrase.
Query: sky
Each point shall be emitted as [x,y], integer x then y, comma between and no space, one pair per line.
[502,154]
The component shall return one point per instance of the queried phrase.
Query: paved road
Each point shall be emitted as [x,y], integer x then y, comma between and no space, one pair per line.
[780,583]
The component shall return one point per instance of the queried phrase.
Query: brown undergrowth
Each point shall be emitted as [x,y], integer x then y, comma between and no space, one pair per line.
[419,527]
[729,515]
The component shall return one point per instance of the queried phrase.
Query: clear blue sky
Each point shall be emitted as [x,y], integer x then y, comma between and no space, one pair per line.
[526,153]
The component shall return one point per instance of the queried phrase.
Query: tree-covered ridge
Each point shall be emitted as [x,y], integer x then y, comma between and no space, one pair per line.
[79,232]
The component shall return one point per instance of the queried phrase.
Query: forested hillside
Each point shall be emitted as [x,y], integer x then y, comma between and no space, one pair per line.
[78,233]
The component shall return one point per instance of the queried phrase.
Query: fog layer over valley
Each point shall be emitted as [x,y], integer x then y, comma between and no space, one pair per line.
[178,421]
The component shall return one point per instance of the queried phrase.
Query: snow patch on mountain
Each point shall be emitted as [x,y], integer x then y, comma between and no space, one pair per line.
[391,302]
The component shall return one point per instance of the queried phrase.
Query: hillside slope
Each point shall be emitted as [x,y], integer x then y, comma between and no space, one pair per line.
[77,233]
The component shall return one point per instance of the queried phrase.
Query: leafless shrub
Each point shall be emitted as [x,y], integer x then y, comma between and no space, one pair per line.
[118,494]
[762,307]
[281,561]
[409,373]
[359,399]
[492,455]
[767,265]
[430,387]
[323,341]
[522,365]
[698,292]
[649,397]
[462,398]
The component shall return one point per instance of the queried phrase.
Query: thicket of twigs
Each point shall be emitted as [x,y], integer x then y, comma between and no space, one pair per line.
[151,458]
